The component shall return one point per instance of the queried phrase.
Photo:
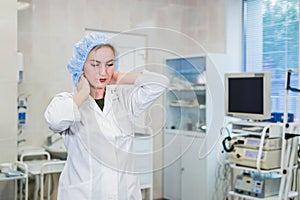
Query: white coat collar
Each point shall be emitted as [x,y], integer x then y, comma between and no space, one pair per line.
[110,95]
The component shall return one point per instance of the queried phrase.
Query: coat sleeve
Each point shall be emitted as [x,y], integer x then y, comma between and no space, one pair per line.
[148,87]
[61,113]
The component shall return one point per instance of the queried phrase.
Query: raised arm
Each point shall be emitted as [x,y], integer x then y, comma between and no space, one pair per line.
[62,112]
[148,87]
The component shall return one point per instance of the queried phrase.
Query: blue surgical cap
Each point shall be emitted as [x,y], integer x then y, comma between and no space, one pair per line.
[81,51]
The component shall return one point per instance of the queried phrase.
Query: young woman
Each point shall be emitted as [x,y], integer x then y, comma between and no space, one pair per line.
[96,122]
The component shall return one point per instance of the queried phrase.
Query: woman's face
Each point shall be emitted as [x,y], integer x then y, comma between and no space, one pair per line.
[99,67]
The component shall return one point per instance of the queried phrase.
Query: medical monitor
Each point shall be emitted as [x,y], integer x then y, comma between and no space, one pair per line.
[248,95]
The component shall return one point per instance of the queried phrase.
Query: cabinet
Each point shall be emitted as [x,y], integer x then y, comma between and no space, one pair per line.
[184,173]
[186,99]
[185,127]
[142,145]
[264,160]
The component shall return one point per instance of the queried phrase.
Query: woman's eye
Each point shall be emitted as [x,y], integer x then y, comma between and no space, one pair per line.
[94,64]
[110,64]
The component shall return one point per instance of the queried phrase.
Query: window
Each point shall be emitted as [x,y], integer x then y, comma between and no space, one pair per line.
[271,32]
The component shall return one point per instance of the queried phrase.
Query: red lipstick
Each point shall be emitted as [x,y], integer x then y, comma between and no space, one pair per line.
[102,80]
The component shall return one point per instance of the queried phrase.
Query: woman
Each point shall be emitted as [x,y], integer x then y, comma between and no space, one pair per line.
[96,122]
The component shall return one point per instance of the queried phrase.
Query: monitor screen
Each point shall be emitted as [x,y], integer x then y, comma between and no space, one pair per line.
[247,95]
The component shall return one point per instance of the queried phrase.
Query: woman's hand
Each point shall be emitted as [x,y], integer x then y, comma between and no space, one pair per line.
[83,91]
[114,78]
[124,78]
[83,86]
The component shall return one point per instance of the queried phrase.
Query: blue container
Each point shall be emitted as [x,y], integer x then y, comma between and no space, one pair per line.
[278,117]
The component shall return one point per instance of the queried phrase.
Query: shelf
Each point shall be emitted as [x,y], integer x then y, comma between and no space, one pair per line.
[272,130]
[195,92]
[250,124]
[187,72]
[3,177]
[236,131]
[264,171]
[292,194]
[193,89]
[199,133]
[187,106]
[255,169]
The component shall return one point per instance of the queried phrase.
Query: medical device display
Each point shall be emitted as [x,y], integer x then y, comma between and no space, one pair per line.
[247,95]
[254,142]
[247,157]
[257,184]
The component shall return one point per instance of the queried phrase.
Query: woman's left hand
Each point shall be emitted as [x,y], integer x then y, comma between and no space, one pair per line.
[114,78]
[124,78]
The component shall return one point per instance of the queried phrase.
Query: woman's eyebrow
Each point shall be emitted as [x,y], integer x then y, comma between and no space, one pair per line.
[110,60]
[93,60]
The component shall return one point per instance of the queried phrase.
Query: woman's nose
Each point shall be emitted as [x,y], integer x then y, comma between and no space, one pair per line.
[101,69]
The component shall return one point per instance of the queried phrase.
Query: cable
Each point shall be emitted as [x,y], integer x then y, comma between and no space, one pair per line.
[231,146]
[213,146]
[223,172]
[223,182]
[220,146]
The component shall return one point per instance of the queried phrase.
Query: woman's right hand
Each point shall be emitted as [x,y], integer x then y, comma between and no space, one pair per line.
[83,86]
[83,91]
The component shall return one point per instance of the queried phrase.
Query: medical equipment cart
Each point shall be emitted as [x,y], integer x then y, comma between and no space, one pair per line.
[269,165]
[39,169]
[276,170]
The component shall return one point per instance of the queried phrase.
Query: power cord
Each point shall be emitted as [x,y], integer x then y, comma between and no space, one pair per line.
[223,182]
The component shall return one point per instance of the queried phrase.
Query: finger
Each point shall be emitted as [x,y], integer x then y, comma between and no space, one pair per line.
[82,77]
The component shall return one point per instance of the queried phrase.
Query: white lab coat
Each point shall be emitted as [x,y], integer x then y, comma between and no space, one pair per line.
[100,163]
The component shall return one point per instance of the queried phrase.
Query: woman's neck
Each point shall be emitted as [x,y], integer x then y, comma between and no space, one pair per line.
[97,93]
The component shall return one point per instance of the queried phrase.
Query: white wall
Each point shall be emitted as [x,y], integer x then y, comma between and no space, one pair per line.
[8,88]
[8,80]
[49,28]
[219,64]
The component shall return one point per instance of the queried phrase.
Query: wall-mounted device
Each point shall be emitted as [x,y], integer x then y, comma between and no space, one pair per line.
[22,108]
[20,66]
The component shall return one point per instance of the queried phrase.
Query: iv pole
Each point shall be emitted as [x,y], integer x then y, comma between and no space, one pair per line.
[288,145]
